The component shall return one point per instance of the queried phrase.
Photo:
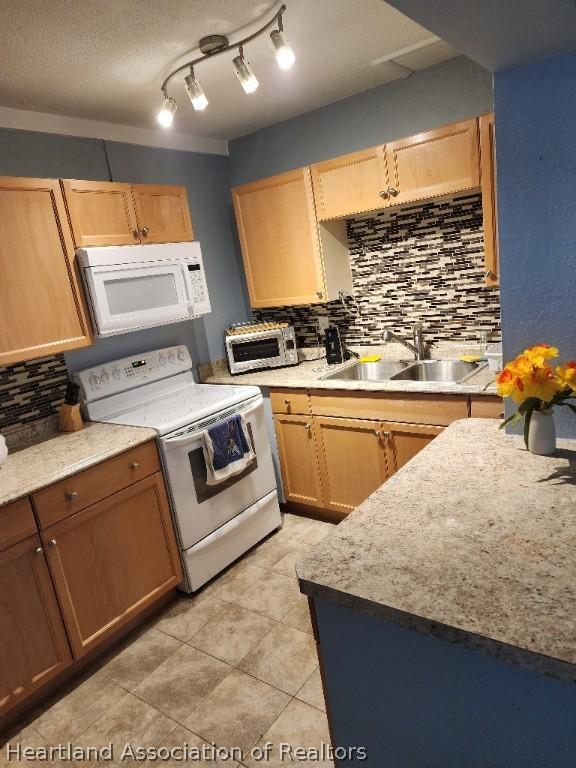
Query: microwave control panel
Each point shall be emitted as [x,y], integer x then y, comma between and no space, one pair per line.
[197,289]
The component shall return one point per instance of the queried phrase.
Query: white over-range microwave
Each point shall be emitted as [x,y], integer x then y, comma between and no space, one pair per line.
[131,287]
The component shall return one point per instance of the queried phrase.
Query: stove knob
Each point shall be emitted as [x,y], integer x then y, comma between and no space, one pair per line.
[116,374]
[104,376]
[162,360]
[180,355]
[172,358]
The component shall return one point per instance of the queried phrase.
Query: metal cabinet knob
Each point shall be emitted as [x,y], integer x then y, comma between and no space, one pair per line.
[377,432]
[38,551]
[384,194]
[71,495]
[134,465]
[319,294]
[308,427]
[489,275]
[145,231]
[52,543]
[393,191]
[286,402]
[136,233]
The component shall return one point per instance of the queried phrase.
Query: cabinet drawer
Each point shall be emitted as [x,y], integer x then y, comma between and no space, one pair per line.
[79,491]
[16,522]
[287,401]
[439,410]
[486,407]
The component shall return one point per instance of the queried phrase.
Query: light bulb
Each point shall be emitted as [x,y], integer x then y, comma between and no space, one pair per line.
[244,72]
[167,112]
[284,54]
[196,92]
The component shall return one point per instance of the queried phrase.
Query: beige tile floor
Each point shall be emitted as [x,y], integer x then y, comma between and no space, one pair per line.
[234,665]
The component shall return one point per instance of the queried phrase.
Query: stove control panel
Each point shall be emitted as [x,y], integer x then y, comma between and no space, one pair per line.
[129,372]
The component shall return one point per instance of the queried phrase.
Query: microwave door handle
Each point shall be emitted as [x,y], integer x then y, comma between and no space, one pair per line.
[189,302]
[192,436]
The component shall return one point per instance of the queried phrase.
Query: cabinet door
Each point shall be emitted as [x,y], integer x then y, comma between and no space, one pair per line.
[33,645]
[434,163]
[163,213]
[352,460]
[488,171]
[112,560]
[41,308]
[280,243]
[299,459]
[101,212]
[350,184]
[404,441]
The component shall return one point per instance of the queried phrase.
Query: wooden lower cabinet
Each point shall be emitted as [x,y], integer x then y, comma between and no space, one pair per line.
[33,645]
[112,559]
[299,459]
[404,441]
[353,462]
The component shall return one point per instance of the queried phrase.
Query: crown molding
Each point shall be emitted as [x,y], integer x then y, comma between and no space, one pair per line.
[43,122]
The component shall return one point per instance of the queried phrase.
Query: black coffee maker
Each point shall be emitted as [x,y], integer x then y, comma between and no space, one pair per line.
[333,345]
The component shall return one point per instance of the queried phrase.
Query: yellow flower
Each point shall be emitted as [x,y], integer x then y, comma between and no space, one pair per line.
[566,375]
[539,353]
[541,383]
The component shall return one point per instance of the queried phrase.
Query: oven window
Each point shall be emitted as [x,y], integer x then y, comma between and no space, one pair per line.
[199,475]
[138,294]
[259,349]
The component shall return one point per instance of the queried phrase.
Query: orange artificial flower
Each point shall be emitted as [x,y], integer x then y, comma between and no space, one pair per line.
[566,375]
[540,352]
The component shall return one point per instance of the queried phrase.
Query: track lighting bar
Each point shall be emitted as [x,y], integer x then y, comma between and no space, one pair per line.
[214,45]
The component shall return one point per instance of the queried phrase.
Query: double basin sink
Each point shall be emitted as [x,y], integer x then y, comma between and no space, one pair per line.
[447,371]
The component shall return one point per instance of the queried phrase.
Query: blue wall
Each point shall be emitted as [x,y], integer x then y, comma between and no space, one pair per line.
[453,90]
[535,108]
[25,153]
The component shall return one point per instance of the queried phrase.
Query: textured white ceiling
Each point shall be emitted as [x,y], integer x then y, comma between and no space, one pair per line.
[104,60]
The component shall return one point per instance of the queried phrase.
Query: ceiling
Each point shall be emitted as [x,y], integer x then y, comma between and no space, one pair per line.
[499,34]
[104,60]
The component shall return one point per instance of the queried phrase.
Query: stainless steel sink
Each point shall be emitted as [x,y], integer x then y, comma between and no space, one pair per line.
[383,369]
[450,371]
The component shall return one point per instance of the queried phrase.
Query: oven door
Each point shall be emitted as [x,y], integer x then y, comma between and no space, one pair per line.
[257,350]
[125,298]
[199,508]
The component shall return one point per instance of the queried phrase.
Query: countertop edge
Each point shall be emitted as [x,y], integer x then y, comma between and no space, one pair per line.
[510,654]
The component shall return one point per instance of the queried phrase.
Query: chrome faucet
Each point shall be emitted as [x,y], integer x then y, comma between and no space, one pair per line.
[418,347]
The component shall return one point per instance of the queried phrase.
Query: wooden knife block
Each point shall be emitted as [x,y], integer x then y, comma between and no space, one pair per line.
[70,418]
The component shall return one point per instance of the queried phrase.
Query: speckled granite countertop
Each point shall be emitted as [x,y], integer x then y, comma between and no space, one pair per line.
[473,541]
[308,375]
[52,460]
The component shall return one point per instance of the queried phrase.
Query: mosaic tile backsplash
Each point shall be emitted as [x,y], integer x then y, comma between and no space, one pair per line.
[31,390]
[422,263]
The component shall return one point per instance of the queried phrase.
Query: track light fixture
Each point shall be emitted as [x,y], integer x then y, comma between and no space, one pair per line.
[213,45]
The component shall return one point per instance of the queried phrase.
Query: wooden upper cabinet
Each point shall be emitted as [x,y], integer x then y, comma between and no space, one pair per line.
[488,174]
[101,213]
[434,163]
[299,459]
[280,242]
[41,307]
[33,645]
[352,460]
[110,213]
[112,559]
[350,184]
[162,213]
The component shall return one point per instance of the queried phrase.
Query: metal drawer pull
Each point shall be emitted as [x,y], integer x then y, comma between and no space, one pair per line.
[71,495]
[134,465]
[38,551]
[52,543]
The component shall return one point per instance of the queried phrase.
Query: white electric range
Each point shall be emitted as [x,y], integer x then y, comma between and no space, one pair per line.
[216,524]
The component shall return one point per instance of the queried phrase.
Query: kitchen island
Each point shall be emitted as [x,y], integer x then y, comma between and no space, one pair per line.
[445,608]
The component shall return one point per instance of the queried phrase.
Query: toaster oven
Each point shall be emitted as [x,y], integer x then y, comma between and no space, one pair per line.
[260,345]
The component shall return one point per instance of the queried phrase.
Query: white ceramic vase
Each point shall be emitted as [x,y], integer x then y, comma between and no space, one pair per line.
[3,450]
[542,434]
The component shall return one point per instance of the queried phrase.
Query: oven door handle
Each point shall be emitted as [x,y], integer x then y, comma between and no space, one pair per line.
[173,442]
